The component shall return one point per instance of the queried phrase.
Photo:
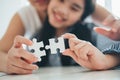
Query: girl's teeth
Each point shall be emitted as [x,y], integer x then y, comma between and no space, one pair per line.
[58,17]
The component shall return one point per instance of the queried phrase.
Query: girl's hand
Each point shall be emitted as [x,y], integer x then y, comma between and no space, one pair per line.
[19,61]
[85,54]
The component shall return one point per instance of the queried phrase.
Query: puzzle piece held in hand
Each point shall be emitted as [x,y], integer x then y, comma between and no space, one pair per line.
[55,45]
[35,48]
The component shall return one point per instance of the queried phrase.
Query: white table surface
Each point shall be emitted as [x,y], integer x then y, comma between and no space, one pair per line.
[65,73]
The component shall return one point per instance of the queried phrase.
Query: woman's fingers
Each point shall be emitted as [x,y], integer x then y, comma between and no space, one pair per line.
[16,70]
[19,60]
[104,31]
[113,22]
[29,57]
[23,64]
[108,33]
[109,20]
[19,40]
[23,54]
[113,28]
[116,26]
[20,52]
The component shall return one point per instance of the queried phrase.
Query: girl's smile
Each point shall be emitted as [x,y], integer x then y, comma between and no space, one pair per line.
[64,13]
[58,17]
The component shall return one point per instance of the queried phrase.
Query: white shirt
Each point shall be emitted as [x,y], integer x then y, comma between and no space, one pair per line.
[30,19]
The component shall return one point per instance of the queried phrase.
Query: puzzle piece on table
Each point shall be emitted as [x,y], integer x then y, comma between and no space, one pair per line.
[35,48]
[55,45]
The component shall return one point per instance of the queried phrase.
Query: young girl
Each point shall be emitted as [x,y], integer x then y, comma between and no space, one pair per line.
[62,16]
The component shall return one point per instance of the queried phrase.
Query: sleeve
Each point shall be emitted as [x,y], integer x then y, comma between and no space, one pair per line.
[113,49]
[30,19]
[108,46]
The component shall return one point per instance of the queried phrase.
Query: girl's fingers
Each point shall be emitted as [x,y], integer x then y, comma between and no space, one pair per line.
[79,47]
[73,42]
[82,49]
[80,61]
[19,40]
[69,35]
[76,45]
[70,53]
[83,53]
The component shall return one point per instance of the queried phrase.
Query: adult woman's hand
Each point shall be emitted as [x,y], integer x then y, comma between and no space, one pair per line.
[19,61]
[114,25]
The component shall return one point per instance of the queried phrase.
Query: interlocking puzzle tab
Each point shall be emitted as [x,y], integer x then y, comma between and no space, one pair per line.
[53,46]
[35,48]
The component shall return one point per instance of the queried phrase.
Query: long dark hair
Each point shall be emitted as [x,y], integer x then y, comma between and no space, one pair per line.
[79,29]
[48,31]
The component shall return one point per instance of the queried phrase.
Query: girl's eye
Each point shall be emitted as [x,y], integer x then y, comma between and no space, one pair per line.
[74,9]
[61,0]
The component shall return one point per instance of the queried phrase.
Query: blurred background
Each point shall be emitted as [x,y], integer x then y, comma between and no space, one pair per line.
[9,7]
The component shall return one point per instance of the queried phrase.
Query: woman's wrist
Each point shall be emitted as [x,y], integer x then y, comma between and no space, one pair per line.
[3,61]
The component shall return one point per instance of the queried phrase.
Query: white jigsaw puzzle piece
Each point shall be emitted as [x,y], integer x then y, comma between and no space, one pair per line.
[36,47]
[53,46]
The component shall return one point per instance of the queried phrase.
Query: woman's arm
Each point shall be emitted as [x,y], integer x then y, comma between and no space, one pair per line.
[11,50]
[104,17]
[100,13]
[15,28]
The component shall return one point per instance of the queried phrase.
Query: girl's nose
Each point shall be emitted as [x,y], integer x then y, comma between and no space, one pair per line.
[63,11]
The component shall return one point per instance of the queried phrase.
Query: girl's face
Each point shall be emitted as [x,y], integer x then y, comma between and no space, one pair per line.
[63,13]
[40,5]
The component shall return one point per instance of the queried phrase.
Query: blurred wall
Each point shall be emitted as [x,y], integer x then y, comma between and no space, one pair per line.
[7,9]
